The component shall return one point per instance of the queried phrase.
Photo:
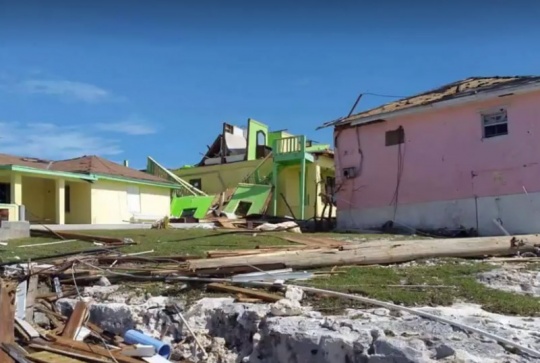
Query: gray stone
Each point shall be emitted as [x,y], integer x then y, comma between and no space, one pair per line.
[294,293]
[286,307]
[444,351]
[381,312]
[402,351]
[513,280]
[42,320]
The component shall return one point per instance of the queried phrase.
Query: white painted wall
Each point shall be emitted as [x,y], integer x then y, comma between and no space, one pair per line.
[519,214]
[110,202]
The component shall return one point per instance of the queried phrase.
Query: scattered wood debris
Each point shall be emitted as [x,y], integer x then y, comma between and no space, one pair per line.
[74,339]
[109,241]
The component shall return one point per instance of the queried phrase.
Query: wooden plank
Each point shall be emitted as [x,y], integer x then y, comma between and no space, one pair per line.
[72,353]
[47,243]
[15,352]
[7,317]
[239,269]
[76,320]
[384,253]
[31,297]
[81,237]
[265,296]
[90,349]
[49,357]
[27,328]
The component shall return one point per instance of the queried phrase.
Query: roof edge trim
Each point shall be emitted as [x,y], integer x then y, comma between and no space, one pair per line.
[137,181]
[65,174]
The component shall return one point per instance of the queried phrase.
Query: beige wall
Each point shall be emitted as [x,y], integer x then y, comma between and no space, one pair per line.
[155,201]
[110,201]
[38,197]
[80,211]
[289,185]
[217,178]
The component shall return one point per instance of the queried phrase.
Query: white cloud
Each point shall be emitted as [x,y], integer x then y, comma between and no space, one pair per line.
[50,141]
[131,126]
[76,90]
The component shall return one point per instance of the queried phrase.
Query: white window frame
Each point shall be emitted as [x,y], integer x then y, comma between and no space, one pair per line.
[491,113]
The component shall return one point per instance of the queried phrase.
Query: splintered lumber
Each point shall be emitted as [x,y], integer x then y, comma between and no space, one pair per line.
[31,297]
[89,348]
[247,252]
[7,317]
[265,296]
[15,352]
[28,329]
[311,241]
[85,356]
[131,258]
[47,243]
[48,357]
[384,253]
[67,254]
[81,237]
[76,320]
[231,270]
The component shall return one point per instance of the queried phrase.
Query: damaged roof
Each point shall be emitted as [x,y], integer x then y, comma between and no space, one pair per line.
[467,87]
[82,165]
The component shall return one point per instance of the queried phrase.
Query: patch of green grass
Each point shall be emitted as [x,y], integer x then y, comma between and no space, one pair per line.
[164,242]
[456,281]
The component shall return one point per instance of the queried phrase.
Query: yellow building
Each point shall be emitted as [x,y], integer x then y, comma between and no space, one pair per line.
[300,172]
[85,190]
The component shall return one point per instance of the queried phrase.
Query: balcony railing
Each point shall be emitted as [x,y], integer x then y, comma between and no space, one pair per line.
[293,144]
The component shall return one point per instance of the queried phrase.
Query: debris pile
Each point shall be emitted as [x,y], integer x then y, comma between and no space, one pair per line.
[81,305]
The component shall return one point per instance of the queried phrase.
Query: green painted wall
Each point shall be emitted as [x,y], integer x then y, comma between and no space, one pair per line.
[201,203]
[317,147]
[253,128]
[256,194]
[272,136]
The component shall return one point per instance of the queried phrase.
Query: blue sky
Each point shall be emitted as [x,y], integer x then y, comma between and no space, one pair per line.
[128,79]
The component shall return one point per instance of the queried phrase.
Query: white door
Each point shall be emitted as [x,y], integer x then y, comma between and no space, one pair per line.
[133,200]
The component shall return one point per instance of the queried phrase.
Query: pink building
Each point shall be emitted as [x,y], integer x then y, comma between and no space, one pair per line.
[462,155]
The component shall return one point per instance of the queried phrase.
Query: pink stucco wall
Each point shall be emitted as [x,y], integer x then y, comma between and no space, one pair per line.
[443,149]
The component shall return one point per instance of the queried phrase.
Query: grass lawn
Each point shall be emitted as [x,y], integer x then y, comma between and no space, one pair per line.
[164,242]
[456,279]
[451,280]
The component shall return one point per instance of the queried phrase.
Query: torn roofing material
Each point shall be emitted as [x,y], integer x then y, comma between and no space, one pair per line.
[460,89]
[82,165]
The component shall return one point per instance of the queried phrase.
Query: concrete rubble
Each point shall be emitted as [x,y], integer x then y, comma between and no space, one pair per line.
[513,279]
[286,331]
[102,290]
